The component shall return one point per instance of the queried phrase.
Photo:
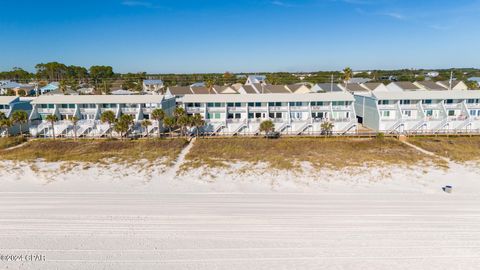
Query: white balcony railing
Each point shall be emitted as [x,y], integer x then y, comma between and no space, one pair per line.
[453,106]
[431,106]
[195,110]
[278,108]
[66,111]
[386,106]
[129,110]
[345,107]
[237,109]
[46,110]
[257,109]
[299,108]
[320,108]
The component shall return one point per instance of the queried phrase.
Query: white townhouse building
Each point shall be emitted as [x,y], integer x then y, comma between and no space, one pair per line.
[89,108]
[417,111]
[293,114]
[10,104]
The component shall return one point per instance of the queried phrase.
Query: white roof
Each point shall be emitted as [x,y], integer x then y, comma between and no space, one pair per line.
[98,99]
[330,96]
[426,94]
[7,99]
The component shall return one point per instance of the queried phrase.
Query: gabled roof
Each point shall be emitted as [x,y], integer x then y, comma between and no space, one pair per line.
[98,99]
[406,85]
[326,87]
[330,96]
[249,89]
[430,85]
[426,94]
[275,89]
[202,90]
[224,89]
[180,90]
[372,85]
[355,87]
[446,84]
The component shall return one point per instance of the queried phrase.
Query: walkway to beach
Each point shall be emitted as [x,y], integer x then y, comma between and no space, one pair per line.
[241,231]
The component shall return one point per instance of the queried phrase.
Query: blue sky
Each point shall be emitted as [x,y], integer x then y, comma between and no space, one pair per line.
[177,36]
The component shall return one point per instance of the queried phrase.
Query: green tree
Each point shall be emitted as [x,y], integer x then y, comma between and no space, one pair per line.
[123,124]
[267,126]
[197,122]
[179,111]
[347,76]
[6,124]
[52,119]
[109,118]
[326,128]
[20,117]
[183,121]
[145,124]
[158,115]
[2,116]
[74,121]
[169,123]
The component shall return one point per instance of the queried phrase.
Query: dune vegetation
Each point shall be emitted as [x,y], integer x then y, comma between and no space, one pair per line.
[97,150]
[457,148]
[7,142]
[285,153]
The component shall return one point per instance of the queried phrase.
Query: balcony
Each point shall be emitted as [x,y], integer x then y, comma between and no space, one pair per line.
[45,110]
[473,105]
[257,109]
[457,118]
[195,110]
[431,106]
[299,108]
[409,106]
[341,120]
[236,120]
[320,108]
[278,108]
[102,110]
[387,106]
[453,106]
[216,109]
[130,110]
[88,110]
[66,111]
[347,107]
[237,109]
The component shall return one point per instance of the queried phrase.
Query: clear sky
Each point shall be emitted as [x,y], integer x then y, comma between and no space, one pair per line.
[186,36]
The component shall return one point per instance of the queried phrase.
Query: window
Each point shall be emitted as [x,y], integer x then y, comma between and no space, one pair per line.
[407,113]
[427,101]
[385,114]
[405,102]
[473,112]
[451,113]
[449,101]
[342,103]
[429,112]
[317,103]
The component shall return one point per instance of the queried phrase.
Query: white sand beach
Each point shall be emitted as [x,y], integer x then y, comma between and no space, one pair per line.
[92,217]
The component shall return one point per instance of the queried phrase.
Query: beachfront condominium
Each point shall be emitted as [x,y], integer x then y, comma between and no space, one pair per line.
[88,110]
[419,107]
[294,114]
[10,104]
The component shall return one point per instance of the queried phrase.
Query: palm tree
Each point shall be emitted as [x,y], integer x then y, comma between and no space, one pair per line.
[123,125]
[20,118]
[327,128]
[108,117]
[2,116]
[74,121]
[145,124]
[267,126]
[209,84]
[169,122]
[52,118]
[197,122]
[158,115]
[183,122]
[347,75]
[6,124]
[179,111]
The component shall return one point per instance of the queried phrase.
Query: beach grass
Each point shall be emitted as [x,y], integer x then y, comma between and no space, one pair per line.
[97,151]
[457,148]
[7,142]
[286,153]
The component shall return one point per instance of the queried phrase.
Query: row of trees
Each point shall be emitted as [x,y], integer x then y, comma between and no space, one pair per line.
[17,118]
[268,126]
